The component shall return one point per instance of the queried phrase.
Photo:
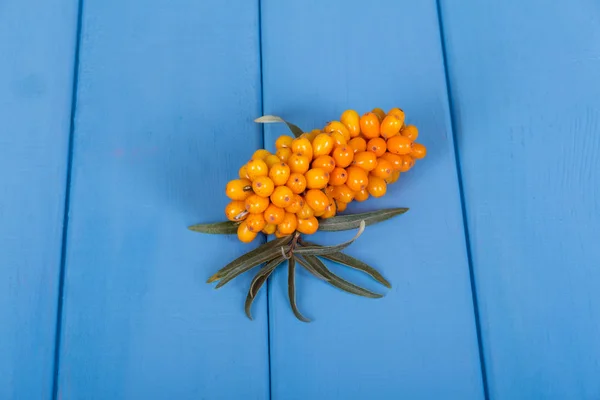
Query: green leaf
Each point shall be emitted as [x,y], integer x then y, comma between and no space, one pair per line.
[321,250]
[217,228]
[268,119]
[292,289]
[352,221]
[260,278]
[358,265]
[247,257]
[252,262]
[338,282]
[310,268]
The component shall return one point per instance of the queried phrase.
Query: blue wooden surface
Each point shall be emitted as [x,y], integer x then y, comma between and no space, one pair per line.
[37,41]
[525,87]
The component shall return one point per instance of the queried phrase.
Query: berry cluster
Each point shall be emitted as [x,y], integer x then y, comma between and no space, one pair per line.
[319,173]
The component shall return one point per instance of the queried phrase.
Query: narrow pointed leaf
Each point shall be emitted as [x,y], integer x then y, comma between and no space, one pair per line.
[340,283]
[258,259]
[247,256]
[217,228]
[292,289]
[258,282]
[320,250]
[310,268]
[352,221]
[268,119]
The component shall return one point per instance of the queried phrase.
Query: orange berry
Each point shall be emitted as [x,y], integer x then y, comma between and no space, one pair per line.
[358,144]
[256,168]
[279,173]
[282,196]
[311,135]
[338,176]
[316,178]
[329,190]
[337,126]
[399,145]
[419,151]
[383,169]
[296,205]
[283,142]
[377,146]
[299,163]
[343,193]
[255,222]
[280,235]
[238,189]
[341,206]
[271,160]
[306,212]
[322,145]
[316,199]
[351,120]
[308,226]
[284,154]
[243,173]
[357,178]
[256,204]
[263,186]
[302,146]
[398,113]
[288,225]
[235,210]
[330,210]
[343,156]
[377,186]
[338,139]
[369,125]
[407,163]
[395,159]
[390,126]
[297,183]
[393,177]
[366,160]
[410,131]
[260,154]
[269,229]
[324,162]
[379,112]
[361,195]
[273,214]
[244,234]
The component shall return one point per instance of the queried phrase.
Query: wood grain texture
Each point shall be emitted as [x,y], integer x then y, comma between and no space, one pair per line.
[37,42]
[524,79]
[419,341]
[167,93]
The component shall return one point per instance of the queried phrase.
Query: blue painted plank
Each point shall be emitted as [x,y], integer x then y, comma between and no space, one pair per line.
[526,94]
[37,42]
[420,340]
[167,93]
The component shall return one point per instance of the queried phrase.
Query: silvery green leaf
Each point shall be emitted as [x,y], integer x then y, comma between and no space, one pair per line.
[258,281]
[320,250]
[267,119]
[352,221]
[217,228]
[292,289]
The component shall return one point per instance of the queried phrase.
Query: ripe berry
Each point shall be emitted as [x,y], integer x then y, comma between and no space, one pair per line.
[260,154]
[256,204]
[316,199]
[256,168]
[288,225]
[398,113]
[311,135]
[243,173]
[302,147]
[361,195]
[299,163]
[399,145]
[269,229]
[395,159]
[351,120]
[263,186]
[377,186]
[383,169]
[379,112]
[244,234]
[284,154]
[296,205]
[338,139]
[341,206]
[377,146]
[297,183]
[419,151]
[306,212]
[358,144]
[271,160]
[343,193]
[393,177]
[407,163]
[273,214]
[410,131]
[343,156]
[322,145]
[357,178]
[238,189]
[390,126]
[330,210]
[366,160]
[255,222]
[338,176]
[235,210]
[279,173]
[324,162]
[329,190]
[369,125]
[308,226]
[282,196]
[337,126]
[283,141]
[316,178]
